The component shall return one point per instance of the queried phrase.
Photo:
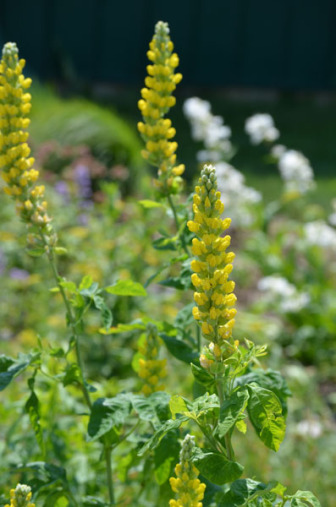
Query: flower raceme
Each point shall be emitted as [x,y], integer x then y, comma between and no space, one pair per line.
[15,161]
[187,486]
[151,369]
[156,101]
[214,296]
[20,496]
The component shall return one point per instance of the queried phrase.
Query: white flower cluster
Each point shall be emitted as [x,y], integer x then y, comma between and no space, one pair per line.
[236,195]
[321,234]
[260,127]
[309,428]
[296,171]
[209,129]
[332,217]
[283,293]
[215,135]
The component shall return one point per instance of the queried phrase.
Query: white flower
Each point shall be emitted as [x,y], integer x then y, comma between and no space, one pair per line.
[309,428]
[260,127]
[280,291]
[278,150]
[321,234]
[332,217]
[296,171]
[237,196]
[207,128]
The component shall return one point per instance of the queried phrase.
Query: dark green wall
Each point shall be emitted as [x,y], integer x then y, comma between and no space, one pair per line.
[287,44]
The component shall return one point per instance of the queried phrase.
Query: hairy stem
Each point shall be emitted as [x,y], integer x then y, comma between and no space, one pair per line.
[227,438]
[177,223]
[108,461]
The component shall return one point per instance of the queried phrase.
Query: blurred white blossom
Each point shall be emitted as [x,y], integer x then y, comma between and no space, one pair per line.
[237,196]
[309,428]
[208,128]
[296,172]
[332,217]
[260,127]
[277,150]
[320,233]
[280,291]
[215,135]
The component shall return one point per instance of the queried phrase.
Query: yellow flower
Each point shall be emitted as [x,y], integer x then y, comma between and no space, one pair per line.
[188,488]
[213,264]
[20,496]
[15,161]
[156,101]
[151,369]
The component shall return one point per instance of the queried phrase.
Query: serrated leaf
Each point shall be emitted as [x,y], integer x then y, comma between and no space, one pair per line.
[179,349]
[44,473]
[105,312]
[11,368]
[107,413]
[231,411]
[216,467]
[126,288]
[265,413]
[71,375]
[243,490]
[86,282]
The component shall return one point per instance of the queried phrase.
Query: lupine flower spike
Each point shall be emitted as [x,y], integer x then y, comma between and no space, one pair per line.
[187,486]
[21,496]
[214,292]
[151,369]
[156,101]
[15,161]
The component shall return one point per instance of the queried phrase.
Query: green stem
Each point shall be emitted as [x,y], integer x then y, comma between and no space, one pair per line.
[227,438]
[177,223]
[73,326]
[108,460]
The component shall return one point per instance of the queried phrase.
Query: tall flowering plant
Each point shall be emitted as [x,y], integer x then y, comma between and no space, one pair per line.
[137,436]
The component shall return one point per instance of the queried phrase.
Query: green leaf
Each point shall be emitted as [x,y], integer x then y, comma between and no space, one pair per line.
[151,408]
[35,252]
[265,413]
[304,498]
[107,413]
[71,375]
[11,368]
[90,291]
[202,376]
[179,349]
[44,473]
[123,328]
[164,244]
[216,467]
[185,317]
[243,490]
[33,410]
[178,405]
[86,282]
[105,312]
[126,288]
[148,204]
[271,380]
[231,410]
[166,455]
[155,439]
[69,286]
[89,501]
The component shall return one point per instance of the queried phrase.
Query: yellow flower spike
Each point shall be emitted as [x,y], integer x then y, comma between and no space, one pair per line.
[188,488]
[151,369]
[214,292]
[155,103]
[20,496]
[15,161]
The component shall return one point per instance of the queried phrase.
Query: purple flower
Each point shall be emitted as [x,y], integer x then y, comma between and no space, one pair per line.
[18,274]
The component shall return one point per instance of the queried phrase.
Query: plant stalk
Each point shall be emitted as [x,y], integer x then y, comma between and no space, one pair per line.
[177,223]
